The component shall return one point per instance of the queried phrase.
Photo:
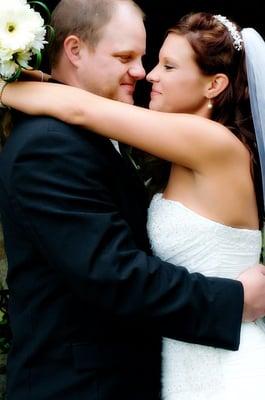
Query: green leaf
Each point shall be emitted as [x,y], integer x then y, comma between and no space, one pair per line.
[44,7]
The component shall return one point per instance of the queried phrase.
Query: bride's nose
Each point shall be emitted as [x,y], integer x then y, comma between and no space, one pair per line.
[152,76]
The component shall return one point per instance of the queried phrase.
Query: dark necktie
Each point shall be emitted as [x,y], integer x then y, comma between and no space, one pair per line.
[125,151]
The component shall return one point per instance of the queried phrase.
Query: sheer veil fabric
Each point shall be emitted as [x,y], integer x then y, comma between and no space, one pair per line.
[255,64]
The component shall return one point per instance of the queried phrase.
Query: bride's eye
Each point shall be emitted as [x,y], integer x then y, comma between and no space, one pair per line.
[168,67]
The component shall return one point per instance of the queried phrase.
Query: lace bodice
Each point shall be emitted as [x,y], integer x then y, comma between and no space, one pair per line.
[183,237]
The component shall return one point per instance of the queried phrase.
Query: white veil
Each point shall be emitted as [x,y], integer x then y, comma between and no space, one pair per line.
[255,62]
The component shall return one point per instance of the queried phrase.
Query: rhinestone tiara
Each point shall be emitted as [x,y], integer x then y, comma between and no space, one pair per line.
[235,34]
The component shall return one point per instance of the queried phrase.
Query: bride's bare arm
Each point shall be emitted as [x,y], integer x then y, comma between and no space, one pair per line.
[184,139]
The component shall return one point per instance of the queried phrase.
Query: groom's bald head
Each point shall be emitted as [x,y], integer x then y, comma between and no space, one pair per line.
[83,18]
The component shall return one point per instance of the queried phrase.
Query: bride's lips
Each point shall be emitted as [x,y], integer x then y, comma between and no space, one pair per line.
[154,92]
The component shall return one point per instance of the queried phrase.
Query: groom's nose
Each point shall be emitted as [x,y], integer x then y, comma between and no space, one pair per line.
[137,71]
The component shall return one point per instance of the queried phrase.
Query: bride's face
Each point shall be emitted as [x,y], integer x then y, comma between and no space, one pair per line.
[177,82]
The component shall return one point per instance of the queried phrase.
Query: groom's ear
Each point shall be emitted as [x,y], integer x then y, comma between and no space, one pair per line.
[72,49]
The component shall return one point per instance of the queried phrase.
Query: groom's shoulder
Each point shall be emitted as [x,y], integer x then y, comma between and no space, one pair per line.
[33,128]
[35,132]
[41,125]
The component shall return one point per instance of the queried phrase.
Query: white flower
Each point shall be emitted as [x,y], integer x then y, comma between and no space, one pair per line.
[8,68]
[5,55]
[18,26]
[22,33]
[13,3]
[23,59]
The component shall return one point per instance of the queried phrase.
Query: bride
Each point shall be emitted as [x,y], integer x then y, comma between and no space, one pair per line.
[210,213]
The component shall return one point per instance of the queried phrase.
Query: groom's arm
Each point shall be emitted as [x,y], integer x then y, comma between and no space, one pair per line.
[61,188]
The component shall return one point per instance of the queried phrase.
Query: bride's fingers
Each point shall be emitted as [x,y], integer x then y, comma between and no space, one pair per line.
[34,75]
[2,87]
[262,269]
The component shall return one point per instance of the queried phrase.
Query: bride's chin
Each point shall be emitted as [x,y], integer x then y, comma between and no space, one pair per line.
[153,106]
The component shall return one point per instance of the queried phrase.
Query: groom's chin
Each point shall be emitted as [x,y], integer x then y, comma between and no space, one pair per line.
[126,98]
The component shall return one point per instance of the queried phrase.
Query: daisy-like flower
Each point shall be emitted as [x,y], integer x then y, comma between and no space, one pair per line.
[22,33]
[23,59]
[5,54]
[8,68]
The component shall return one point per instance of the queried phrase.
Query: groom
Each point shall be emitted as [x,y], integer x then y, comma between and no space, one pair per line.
[88,301]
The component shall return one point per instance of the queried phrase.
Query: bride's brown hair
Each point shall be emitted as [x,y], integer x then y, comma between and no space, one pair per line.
[215,52]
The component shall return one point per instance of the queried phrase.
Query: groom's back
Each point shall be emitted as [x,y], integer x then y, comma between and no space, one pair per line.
[62,345]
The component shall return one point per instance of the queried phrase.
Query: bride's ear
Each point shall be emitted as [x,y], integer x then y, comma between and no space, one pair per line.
[216,85]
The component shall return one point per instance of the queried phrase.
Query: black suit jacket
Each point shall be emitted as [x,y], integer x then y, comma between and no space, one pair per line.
[88,302]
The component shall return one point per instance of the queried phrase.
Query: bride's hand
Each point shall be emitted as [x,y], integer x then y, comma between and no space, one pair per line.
[5,116]
[2,87]
[26,75]
[34,75]
[253,281]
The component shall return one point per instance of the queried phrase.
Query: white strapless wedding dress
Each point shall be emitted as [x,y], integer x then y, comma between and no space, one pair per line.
[194,372]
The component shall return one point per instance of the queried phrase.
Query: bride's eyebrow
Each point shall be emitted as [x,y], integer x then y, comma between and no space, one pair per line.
[169,60]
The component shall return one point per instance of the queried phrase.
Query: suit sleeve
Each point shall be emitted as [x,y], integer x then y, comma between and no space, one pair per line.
[61,187]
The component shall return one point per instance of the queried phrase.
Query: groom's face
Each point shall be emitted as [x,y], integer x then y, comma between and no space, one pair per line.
[113,67]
